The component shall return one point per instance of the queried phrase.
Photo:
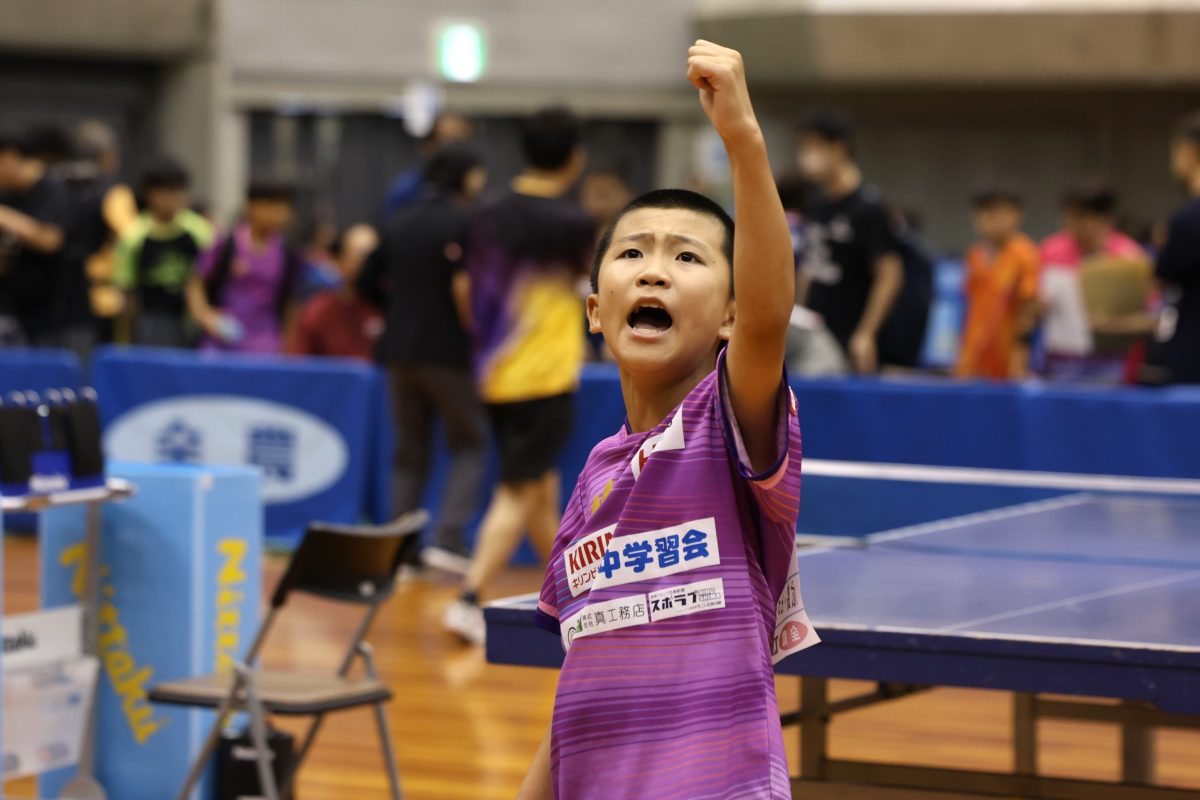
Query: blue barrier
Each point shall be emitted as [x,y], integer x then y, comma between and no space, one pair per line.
[180,584]
[309,425]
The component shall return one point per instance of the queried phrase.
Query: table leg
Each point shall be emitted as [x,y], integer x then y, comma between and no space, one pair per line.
[1025,748]
[1137,749]
[814,727]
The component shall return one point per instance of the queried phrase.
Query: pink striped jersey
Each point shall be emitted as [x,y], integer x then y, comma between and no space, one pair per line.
[673,585]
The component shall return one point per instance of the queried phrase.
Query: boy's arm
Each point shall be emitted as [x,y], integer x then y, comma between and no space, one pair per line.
[536,785]
[764,268]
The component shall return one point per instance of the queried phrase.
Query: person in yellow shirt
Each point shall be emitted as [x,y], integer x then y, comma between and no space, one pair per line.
[1001,286]
[527,252]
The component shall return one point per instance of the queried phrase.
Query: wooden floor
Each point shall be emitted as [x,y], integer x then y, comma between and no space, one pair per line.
[466,730]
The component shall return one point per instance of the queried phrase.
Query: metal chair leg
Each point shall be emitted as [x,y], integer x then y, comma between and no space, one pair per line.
[258,733]
[210,743]
[389,754]
[385,736]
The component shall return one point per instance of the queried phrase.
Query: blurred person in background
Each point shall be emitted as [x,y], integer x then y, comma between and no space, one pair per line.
[853,272]
[1178,265]
[34,216]
[1001,286]
[602,194]
[322,269]
[811,349]
[416,277]
[156,257]
[108,208]
[903,333]
[406,187]
[338,321]
[245,286]
[526,252]
[1070,324]
[74,325]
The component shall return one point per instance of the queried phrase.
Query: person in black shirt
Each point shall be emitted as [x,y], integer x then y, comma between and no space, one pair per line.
[1178,264]
[415,277]
[34,219]
[852,271]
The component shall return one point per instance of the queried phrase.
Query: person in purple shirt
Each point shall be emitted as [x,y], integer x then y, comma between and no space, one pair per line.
[243,292]
[673,579]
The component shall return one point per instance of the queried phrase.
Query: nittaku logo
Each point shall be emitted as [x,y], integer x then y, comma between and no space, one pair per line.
[24,640]
[44,484]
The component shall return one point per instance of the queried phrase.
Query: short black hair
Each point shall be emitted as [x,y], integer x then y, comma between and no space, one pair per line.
[997,194]
[550,136]
[271,189]
[164,172]
[682,199]
[1091,197]
[829,126]
[1188,128]
[446,170]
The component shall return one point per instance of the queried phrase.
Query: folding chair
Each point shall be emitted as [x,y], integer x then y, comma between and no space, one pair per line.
[347,563]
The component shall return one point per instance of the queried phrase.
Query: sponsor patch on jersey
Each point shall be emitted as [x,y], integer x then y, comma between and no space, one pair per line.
[656,554]
[690,598]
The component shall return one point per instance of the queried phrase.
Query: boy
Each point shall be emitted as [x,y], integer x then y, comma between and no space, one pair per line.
[1001,287]
[156,257]
[243,293]
[526,251]
[672,581]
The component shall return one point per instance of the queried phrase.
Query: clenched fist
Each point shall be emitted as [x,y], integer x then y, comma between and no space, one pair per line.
[718,74]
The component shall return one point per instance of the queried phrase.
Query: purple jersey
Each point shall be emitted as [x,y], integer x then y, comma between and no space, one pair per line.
[673,585]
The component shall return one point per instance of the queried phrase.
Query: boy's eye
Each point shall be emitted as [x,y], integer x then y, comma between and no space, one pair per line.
[688,258]
[631,253]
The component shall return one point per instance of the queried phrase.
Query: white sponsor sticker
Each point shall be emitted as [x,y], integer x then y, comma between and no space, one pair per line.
[793,630]
[582,558]
[611,615]
[670,439]
[656,554]
[691,598]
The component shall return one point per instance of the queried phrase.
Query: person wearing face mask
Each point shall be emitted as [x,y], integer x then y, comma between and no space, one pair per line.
[852,271]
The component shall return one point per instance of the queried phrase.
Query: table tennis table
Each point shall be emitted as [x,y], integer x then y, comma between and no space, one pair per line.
[1090,595]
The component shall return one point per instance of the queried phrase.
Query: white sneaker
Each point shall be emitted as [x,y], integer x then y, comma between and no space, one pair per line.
[445,560]
[466,621]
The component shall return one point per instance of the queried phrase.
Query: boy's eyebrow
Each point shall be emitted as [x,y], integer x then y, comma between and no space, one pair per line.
[675,237]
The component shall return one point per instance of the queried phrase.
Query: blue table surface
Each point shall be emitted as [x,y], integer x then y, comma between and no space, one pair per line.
[1121,573]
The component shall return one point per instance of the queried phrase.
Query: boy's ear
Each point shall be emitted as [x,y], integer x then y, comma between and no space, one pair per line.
[593,314]
[726,330]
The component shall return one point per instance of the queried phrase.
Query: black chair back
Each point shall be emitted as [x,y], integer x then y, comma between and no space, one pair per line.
[349,563]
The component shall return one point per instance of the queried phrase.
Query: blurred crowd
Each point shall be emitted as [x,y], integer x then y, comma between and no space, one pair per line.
[87,258]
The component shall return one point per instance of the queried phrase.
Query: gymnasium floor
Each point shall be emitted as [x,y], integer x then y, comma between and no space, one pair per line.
[466,730]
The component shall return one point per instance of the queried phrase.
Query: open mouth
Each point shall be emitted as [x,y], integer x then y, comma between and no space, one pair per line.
[650,319]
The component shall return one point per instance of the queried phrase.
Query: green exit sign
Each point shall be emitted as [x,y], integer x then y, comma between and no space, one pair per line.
[461,52]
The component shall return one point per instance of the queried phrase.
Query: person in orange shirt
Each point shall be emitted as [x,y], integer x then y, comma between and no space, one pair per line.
[1001,290]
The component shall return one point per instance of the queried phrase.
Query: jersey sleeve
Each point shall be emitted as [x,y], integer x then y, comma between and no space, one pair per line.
[776,489]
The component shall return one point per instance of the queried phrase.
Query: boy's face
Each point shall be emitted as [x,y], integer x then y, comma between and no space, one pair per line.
[998,221]
[663,301]
[269,216]
[164,203]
